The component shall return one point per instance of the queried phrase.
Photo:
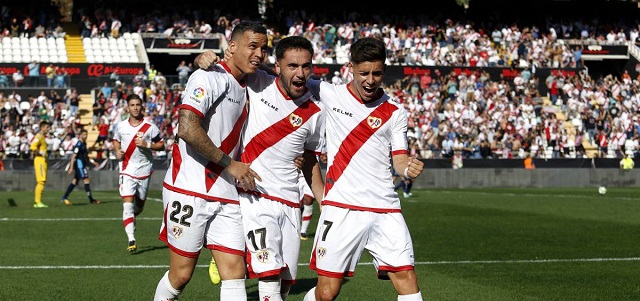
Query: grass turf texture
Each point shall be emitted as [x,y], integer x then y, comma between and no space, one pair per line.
[471,244]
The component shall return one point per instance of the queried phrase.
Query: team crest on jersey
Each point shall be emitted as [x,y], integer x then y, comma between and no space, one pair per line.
[177,231]
[139,134]
[321,252]
[295,120]
[197,95]
[374,122]
[263,256]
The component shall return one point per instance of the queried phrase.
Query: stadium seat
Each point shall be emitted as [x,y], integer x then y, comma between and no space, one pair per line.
[99,58]
[53,59]
[63,58]
[90,59]
[548,152]
[126,35]
[108,59]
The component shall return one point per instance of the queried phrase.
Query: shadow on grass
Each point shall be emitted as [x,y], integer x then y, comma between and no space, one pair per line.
[149,249]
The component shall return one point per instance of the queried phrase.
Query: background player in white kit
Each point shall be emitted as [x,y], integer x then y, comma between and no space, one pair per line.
[133,142]
[360,209]
[199,196]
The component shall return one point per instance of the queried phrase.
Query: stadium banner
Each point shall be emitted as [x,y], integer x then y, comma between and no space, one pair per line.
[181,45]
[599,52]
[79,69]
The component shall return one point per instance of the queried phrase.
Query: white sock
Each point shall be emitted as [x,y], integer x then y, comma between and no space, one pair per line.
[233,290]
[164,290]
[129,220]
[311,295]
[413,297]
[269,290]
[307,213]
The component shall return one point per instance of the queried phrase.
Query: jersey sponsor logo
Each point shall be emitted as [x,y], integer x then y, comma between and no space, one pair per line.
[269,104]
[177,231]
[374,122]
[321,252]
[197,95]
[338,110]
[263,256]
[295,120]
[233,100]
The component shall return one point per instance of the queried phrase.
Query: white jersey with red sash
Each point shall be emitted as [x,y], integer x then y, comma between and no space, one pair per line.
[137,161]
[368,130]
[278,130]
[220,101]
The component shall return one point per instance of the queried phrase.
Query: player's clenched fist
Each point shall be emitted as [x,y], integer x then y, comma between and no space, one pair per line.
[414,168]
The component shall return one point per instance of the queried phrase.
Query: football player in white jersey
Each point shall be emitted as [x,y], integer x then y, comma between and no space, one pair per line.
[366,136]
[199,196]
[133,142]
[285,122]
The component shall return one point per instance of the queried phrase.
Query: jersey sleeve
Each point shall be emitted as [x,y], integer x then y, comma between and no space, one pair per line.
[399,132]
[315,142]
[154,133]
[117,136]
[199,94]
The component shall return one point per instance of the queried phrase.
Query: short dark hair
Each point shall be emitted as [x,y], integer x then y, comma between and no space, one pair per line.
[292,42]
[368,50]
[245,26]
[43,123]
[133,96]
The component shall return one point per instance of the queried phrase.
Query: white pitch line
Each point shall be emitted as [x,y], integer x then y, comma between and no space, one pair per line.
[73,219]
[86,267]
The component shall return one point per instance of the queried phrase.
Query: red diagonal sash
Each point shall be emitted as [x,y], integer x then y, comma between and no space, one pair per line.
[132,145]
[355,140]
[213,170]
[276,132]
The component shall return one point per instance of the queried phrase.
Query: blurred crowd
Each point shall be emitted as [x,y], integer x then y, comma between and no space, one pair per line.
[468,114]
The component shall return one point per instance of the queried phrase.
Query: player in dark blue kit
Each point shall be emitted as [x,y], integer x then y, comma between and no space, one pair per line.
[79,166]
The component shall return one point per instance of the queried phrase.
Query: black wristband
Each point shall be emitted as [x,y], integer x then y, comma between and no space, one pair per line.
[224,161]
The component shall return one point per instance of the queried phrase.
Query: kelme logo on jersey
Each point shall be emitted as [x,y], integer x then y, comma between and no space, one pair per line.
[263,256]
[295,120]
[197,95]
[374,122]
[177,231]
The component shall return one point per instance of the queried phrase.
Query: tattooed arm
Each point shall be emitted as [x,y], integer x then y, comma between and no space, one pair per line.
[192,133]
